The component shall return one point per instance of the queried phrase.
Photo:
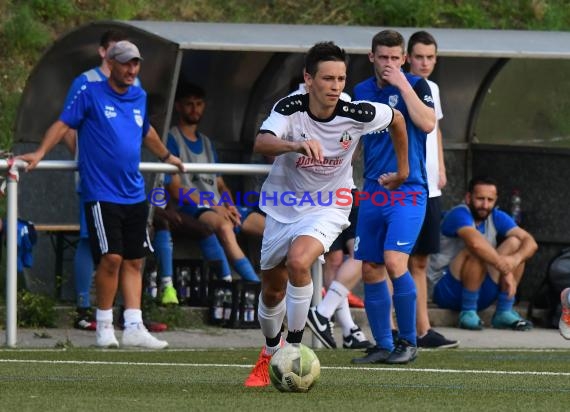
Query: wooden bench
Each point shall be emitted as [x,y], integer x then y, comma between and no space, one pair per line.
[62,238]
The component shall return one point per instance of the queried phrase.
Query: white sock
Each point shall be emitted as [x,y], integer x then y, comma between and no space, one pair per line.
[104,316]
[133,317]
[344,318]
[334,297]
[298,300]
[166,281]
[270,319]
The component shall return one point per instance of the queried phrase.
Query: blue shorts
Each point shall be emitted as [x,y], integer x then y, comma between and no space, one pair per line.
[196,211]
[448,291]
[389,220]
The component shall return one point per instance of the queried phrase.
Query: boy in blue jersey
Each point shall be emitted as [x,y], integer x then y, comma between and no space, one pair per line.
[472,270]
[112,123]
[387,233]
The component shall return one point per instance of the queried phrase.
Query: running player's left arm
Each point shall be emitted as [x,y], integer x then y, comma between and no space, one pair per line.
[419,102]
[154,144]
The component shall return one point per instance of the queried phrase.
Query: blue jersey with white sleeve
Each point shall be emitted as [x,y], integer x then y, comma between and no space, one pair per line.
[111,127]
[379,154]
[460,217]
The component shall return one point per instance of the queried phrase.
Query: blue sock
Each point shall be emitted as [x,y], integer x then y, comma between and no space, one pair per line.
[83,273]
[378,307]
[469,300]
[245,270]
[163,251]
[212,250]
[405,306]
[504,304]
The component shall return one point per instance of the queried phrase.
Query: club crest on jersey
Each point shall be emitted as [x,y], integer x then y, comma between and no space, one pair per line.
[110,112]
[393,100]
[345,140]
[138,117]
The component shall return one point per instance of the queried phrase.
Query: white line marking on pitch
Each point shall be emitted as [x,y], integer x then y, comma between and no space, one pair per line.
[219,365]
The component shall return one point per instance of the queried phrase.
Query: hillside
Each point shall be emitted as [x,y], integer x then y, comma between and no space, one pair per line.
[28,27]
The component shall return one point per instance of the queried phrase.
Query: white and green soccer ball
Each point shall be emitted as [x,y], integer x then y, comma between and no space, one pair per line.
[294,368]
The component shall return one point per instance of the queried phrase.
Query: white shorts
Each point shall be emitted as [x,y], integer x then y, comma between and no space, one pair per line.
[324,225]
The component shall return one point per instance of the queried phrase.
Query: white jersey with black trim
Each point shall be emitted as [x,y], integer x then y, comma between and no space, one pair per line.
[298,185]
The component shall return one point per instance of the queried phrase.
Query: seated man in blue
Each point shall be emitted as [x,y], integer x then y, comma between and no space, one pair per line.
[205,196]
[472,271]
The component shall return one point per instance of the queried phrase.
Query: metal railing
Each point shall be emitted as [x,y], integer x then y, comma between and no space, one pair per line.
[12,177]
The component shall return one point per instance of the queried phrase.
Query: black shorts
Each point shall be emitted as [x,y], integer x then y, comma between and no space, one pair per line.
[348,233]
[428,239]
[118,229]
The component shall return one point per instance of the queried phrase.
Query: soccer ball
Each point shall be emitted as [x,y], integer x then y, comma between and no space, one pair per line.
[294,368]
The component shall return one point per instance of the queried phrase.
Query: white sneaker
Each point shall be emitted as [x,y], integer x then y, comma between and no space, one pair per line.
[138,336]
[564,324]
[105,335]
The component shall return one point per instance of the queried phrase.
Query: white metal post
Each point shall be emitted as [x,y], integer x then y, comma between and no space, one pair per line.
[11,258]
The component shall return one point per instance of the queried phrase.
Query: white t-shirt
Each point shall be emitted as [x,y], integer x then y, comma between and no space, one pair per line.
[432,157]
[298,185]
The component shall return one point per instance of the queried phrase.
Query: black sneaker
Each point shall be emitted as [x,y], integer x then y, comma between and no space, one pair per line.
[373,355]
[85,320]
[321,327]
[404,352]
[435,340]
[356,340]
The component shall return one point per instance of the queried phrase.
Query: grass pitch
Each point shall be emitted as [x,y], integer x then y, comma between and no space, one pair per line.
[212,380]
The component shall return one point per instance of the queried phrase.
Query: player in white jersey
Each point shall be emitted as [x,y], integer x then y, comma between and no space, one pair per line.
[307,193]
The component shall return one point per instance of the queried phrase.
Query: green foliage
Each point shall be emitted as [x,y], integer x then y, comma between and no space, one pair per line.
[172,315]
[35,310]
[23,33]
[50,11]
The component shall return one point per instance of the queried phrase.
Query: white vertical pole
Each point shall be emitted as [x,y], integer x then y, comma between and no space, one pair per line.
[317,275]
[11,259]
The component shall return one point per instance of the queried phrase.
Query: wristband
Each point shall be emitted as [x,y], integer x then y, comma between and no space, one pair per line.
[165,158]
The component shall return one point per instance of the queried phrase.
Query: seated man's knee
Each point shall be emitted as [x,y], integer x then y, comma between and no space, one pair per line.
[159,223]
[509,245]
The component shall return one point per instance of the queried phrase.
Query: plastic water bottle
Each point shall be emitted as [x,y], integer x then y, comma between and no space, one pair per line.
[152,286]
[183,285]
[219,304]
[195,282]
[227,304]
[249,306]
[516,210]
